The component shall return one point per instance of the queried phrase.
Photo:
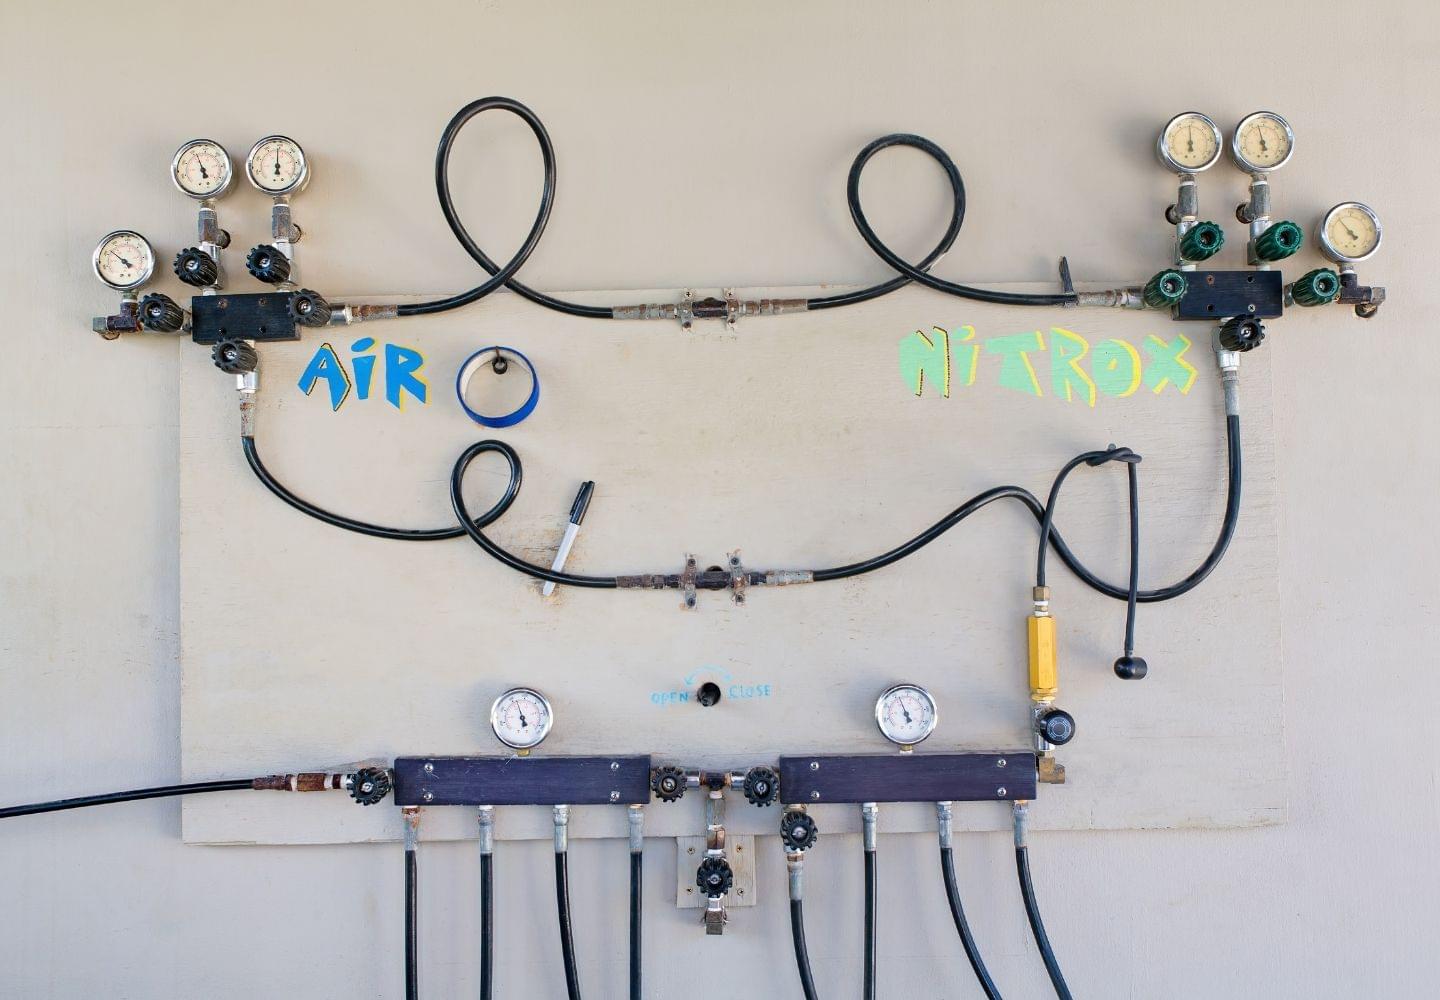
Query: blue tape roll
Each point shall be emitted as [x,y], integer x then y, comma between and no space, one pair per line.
[473,364]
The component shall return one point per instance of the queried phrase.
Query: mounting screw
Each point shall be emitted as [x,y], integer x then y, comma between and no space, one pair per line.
[614,796]
[1000,792]
[428,796]
[1000,762]
[614,765]
[815,795]
[429,768]
[814,765]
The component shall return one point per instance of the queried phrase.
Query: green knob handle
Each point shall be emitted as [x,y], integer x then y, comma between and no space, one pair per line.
[1317,288]
[1165,289]
[1202,241]
[1279,241]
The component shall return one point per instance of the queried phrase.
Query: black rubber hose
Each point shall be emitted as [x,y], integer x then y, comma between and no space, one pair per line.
[962,925]
[487,924]
[918,273]
[637,870]
[499,275]
[1037,926]
[567,943]
[133,795]
[871,912]
[412,971]
[1133,475]
[364,527]
[802,955]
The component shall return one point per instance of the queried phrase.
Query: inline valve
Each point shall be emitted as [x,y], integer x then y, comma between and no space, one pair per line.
[234,357]
[1201,241]
[159,313]
[798,831]
[1280,240]
[369,785]
[308,308]
[1241,333]
[1165,289]
[1316,288]
[196,267]
[761,786]
[1055,726]
[668,783]
[268,264]
[714,877]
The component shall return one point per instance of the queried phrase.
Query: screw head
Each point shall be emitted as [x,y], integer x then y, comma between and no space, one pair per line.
[428,797]
[614,765]
[814,765]
[815,795]
[1000,792]
[429,768]
[614,796]
[1000,762]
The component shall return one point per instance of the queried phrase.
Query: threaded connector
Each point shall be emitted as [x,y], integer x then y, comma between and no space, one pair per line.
[1279,241]
[1314,288]
[1202,241]
[1165,289]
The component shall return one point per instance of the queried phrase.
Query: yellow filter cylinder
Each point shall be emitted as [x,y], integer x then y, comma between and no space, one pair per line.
[1044,669]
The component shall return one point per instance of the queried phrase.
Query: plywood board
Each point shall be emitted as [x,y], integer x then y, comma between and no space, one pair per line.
[796,439]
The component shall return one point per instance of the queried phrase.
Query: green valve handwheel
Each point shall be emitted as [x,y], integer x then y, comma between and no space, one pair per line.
[1279,241]
[1317,288]
[1165,289]
[1202,241]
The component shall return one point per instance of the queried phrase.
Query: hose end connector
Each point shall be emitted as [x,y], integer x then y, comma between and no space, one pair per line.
[1020,813]
[795,867]
[869,815]
[411,816]
[944,815]
[562,829]
[636,816]
[486,816]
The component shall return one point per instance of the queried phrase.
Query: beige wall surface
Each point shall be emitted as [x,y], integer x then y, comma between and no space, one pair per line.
[703,146]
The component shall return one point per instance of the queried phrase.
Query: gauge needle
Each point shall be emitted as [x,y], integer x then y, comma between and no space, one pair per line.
[122,260]
[1190,139]
[277,160]
[1353,235]
[203,175]
[906,712]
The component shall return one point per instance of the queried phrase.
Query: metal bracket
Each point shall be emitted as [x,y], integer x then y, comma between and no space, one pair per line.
[738,578]
[685,310]
[687,581]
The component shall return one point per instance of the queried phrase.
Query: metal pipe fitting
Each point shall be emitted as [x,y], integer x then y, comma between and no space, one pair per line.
[411,815]
[562,829]
[637,828]
[1020,812]
[944,814]
[869,814]
[795,865]
[486,815]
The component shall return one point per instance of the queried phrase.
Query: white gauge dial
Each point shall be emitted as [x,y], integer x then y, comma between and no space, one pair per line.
[124,260]
[1350,232]
[1263,141]
[201,169]
[905,714]
[276,165]
[1189,143]
[521,718]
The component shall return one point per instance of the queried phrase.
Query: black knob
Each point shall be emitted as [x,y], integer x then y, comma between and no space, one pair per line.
[1056,726]
[709,694]
[668,783]
[234,357]
[762,786]
[798,831]
[369,785]
[1131,668]
[160,313]
[1242,333]
[268,264]
[714,877]
[308,309]
[196,267]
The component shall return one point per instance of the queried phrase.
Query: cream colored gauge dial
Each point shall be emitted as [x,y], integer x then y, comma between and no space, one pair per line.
[201,169]
[1189,143]
[277,165]
[521,718]
[1263,141]
[123,260]
[905,714]
[1350,232]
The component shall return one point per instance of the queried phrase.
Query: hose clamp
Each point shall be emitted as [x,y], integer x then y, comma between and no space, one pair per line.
[495,356]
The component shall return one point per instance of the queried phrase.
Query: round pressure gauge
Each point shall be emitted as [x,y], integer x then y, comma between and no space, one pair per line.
[905,714]
[1349,232]
[201,169]
[1189,143]
[276,165]
[123,260]
[1263,141]
[521,718]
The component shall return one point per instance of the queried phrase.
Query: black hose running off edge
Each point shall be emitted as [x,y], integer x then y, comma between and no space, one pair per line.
[133,795]
[637,870]
[487,924]
[802,955]
[962,925]
[412,972]
[567,943]
[871,908]
[1037,926]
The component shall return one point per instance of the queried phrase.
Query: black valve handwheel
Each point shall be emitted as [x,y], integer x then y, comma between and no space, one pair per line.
[762,786]
[370,785]
[798,831]
[714,877]
[668,783]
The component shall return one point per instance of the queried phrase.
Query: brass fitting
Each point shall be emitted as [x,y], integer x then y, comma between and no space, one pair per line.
[1044,669]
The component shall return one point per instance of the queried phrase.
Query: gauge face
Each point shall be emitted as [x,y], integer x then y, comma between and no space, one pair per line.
[201,169]
[521,718]
[1263,141]
[124,260]
[276,165]
[905,714]
[1189,143]
[1350,232]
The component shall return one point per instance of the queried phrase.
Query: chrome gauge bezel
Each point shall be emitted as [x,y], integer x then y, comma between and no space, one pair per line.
[100,247]
[1330,250]
[1239,155]
[516,692]
[301,179]
[1162,148]
[198,196]
[924,695]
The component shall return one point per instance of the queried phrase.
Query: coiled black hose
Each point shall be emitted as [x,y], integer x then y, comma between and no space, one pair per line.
[871,912]
[412,946]
[133,795]
[962,925]
[487,924]
[637,870]
[1037,926]
[567,943]
[802,954]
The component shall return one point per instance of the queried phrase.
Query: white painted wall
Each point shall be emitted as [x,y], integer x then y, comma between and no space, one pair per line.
[704,147]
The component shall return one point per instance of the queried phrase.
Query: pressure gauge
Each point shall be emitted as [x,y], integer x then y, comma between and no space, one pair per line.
[905,714]
[521,718]
[1263,141]
[201,169]
[1189,143]
[1350,232]
[123,260]
[277,165]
